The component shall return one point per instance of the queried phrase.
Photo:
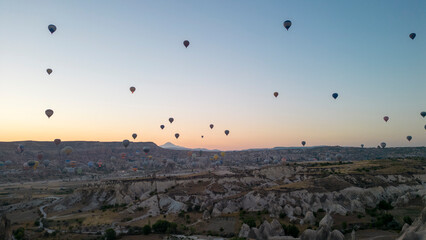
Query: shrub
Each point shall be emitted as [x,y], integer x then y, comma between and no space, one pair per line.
[291,230]
[146,229]
[383,205]
[164,226]
[408,220]
[110,234]
[283,215]
[344,225]
[250,222]
[19,233]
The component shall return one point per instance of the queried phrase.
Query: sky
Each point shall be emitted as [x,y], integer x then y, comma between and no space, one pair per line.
[239,55]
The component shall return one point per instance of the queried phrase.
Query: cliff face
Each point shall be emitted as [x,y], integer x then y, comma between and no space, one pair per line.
[5,230]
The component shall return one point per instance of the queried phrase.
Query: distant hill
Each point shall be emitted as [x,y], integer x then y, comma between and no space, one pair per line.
[171,146]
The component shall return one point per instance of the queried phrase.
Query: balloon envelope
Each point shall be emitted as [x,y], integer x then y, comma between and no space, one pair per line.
[146,150]
[276,94]
[177,135]
[303,143]
[162,126]
[49,112]
[412,35]
[126,143]
[186,43]
[52,28]
[211,126]
[287,24]
[383,144]
[132,89]
[226,132]
[386,118]
[409,138]
[67,150]
[423,114]
[362,145]
[335,95]
[57,141]
[134,135]
[49,71]
[171,120]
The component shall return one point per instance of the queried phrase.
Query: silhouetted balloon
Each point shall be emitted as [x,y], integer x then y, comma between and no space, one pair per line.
[31,163]
[186,43]
[303,143]
[202,136]
[211,126]
[425,127]
[49,112]
[276,94]
[171,120]
[412,35]
[226,132]
[134,135]
[386,118]
[177,135]
[162,126]
[49,71]
[287,24]
[423,114]
[335,95]
[146,150]
[362,145]
[126,143]
[57,141]
[52,28]
[132,89]
[383,144]
[409,138]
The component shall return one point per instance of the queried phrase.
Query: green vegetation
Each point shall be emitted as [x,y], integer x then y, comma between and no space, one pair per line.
[146,229]
[383,205]
[250,222]
[19,233]
[283,215]
[110,234]
[407,219]
[291,230]
[114,207]
[164,226]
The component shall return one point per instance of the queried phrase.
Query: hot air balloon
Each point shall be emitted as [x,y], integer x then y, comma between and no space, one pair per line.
[57,141]
[362,145]
[46,162]
[49,112]
[383,144]
[67,161]
[8,162]
[132,89]
[412,35]
[49,71]
[386,118]
[162,126]
[287,24]
[135,168]
[425,127]
[126,143]
[99,164]
[36,163]
[40,156]
[276,94]
[226,132]
[186,43]
[134,135]
[177,135]
[423,114]
[20,148]
[215,157]
[123,155]
[90,164]
[222,154]
[202,136]
[303,143]
[31,163]
[409,138]
[146,150]
[25,166]
[335,95]
[52,28]
[171,120]
[339,157]
[73,164]
[211,126]
[67,150]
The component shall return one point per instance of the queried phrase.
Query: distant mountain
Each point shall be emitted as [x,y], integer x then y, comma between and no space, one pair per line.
[171,146]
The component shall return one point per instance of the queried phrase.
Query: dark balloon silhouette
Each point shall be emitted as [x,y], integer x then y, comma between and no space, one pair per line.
[275,94]
[423,114]
[134,135]
[132,89]
[412,36]
[287,24]
[186,43]
[126,143]
[49,71]
[409,138]
[303,143]
[226,132]
[162,126]
[49,112]
[57,141]
[177,135]
[171,120]
[335,95]
[386,118]
[211,126]
[52,28]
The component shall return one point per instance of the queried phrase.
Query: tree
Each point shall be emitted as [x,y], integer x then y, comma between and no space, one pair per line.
[146,229]
[110,234]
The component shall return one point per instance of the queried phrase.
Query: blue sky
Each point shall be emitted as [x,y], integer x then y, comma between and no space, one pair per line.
[239,55]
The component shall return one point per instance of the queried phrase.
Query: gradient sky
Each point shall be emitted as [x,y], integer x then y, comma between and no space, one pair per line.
[239,55]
